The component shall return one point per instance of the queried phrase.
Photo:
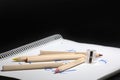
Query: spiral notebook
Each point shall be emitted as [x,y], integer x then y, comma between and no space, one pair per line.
[104,67]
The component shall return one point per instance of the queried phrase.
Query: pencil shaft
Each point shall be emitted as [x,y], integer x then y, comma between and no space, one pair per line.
[54,57]
[30,66]
[58,52]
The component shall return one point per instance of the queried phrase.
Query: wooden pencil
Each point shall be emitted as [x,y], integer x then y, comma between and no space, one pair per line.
[42,52]
[69,65]
[44,58]
[30,66]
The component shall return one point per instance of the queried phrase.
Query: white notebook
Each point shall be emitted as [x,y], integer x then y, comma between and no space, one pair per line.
[102,68]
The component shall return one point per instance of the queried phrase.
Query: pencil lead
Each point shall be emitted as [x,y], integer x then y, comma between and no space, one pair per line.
[57,71]
[100,55]
[15,59]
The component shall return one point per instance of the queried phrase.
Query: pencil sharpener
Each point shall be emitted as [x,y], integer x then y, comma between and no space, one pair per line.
[90,56]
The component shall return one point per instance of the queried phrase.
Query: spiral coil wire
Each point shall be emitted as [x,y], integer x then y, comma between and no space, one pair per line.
[29,46]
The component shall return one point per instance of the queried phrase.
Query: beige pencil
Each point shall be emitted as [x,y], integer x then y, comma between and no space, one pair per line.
[50,57]
[23,58]
[42,52]
[30,66]
[70,65]
[43,58]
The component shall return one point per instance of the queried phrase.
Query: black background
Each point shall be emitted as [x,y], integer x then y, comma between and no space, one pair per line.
[25,21]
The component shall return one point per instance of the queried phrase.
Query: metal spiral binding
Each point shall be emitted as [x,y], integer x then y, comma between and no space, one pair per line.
[30,45]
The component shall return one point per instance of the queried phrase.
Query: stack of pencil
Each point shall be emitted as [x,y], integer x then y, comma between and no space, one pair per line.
[49,57]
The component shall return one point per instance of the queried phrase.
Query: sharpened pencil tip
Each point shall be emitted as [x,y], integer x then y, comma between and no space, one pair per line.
[100,55]
[57,71]
[15,59]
